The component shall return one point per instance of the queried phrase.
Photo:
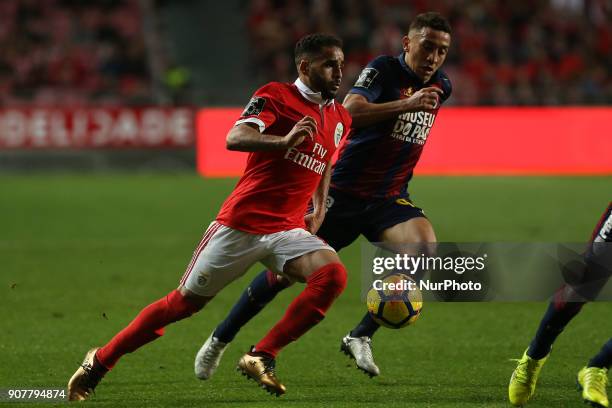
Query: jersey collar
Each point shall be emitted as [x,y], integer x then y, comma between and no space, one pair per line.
[311,95]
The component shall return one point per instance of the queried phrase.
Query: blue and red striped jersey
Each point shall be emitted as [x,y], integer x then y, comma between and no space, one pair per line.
[378,161]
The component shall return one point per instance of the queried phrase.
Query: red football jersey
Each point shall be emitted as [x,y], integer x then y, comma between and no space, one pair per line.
[273,193]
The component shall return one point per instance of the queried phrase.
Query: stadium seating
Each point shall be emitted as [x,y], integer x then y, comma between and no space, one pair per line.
[503,53]
[68,52]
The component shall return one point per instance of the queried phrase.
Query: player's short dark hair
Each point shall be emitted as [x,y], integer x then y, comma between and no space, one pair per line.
[432,20]
[313,44]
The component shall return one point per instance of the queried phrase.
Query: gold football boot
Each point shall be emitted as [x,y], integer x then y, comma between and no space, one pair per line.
[84,381]
[261,369]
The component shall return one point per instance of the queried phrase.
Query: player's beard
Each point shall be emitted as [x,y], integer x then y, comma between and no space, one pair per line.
[327,95]
[322,86]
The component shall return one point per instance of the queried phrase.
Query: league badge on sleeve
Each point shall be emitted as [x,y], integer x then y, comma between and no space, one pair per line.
[254,107]
[366,78]
[338,133]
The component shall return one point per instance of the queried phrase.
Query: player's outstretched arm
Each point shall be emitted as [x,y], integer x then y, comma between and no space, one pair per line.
[365,113]
[246,137]
[319,198]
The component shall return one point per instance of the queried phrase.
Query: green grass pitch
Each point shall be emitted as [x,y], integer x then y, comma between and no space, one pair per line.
[81,255]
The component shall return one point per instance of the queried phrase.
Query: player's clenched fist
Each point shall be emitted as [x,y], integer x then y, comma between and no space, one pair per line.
[305,127]
[424,99]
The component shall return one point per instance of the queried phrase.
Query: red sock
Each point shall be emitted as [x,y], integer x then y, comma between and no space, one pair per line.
[306,310]
[146,327]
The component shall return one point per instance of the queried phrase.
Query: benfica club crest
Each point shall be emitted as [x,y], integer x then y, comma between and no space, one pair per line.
[338,133]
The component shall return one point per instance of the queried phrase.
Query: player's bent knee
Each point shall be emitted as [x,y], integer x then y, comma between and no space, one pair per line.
[185,303]
[332,278]
[302,267]
[416,230]
[323,257]
[338,278]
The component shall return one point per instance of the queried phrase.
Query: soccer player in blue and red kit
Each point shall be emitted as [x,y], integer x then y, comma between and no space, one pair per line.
[565,305]
[291,132]
[393,104]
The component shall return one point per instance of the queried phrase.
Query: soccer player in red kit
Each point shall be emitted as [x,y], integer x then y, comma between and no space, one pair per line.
[291,132]
[393,104]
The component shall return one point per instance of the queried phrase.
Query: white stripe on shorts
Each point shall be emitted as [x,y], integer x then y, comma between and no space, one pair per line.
[214,226]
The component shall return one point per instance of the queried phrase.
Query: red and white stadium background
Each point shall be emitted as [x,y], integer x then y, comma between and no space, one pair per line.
[147,127]
[464,141]
[468,141]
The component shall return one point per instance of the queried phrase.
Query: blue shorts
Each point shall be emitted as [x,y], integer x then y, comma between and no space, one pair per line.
[348,216]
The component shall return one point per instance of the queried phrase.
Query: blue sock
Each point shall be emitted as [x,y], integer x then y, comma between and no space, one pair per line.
[366,327]
[255,297]
[604,358]
[557,316]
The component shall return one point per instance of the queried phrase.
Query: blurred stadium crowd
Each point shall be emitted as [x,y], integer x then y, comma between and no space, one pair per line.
[541,52]
[72,52]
